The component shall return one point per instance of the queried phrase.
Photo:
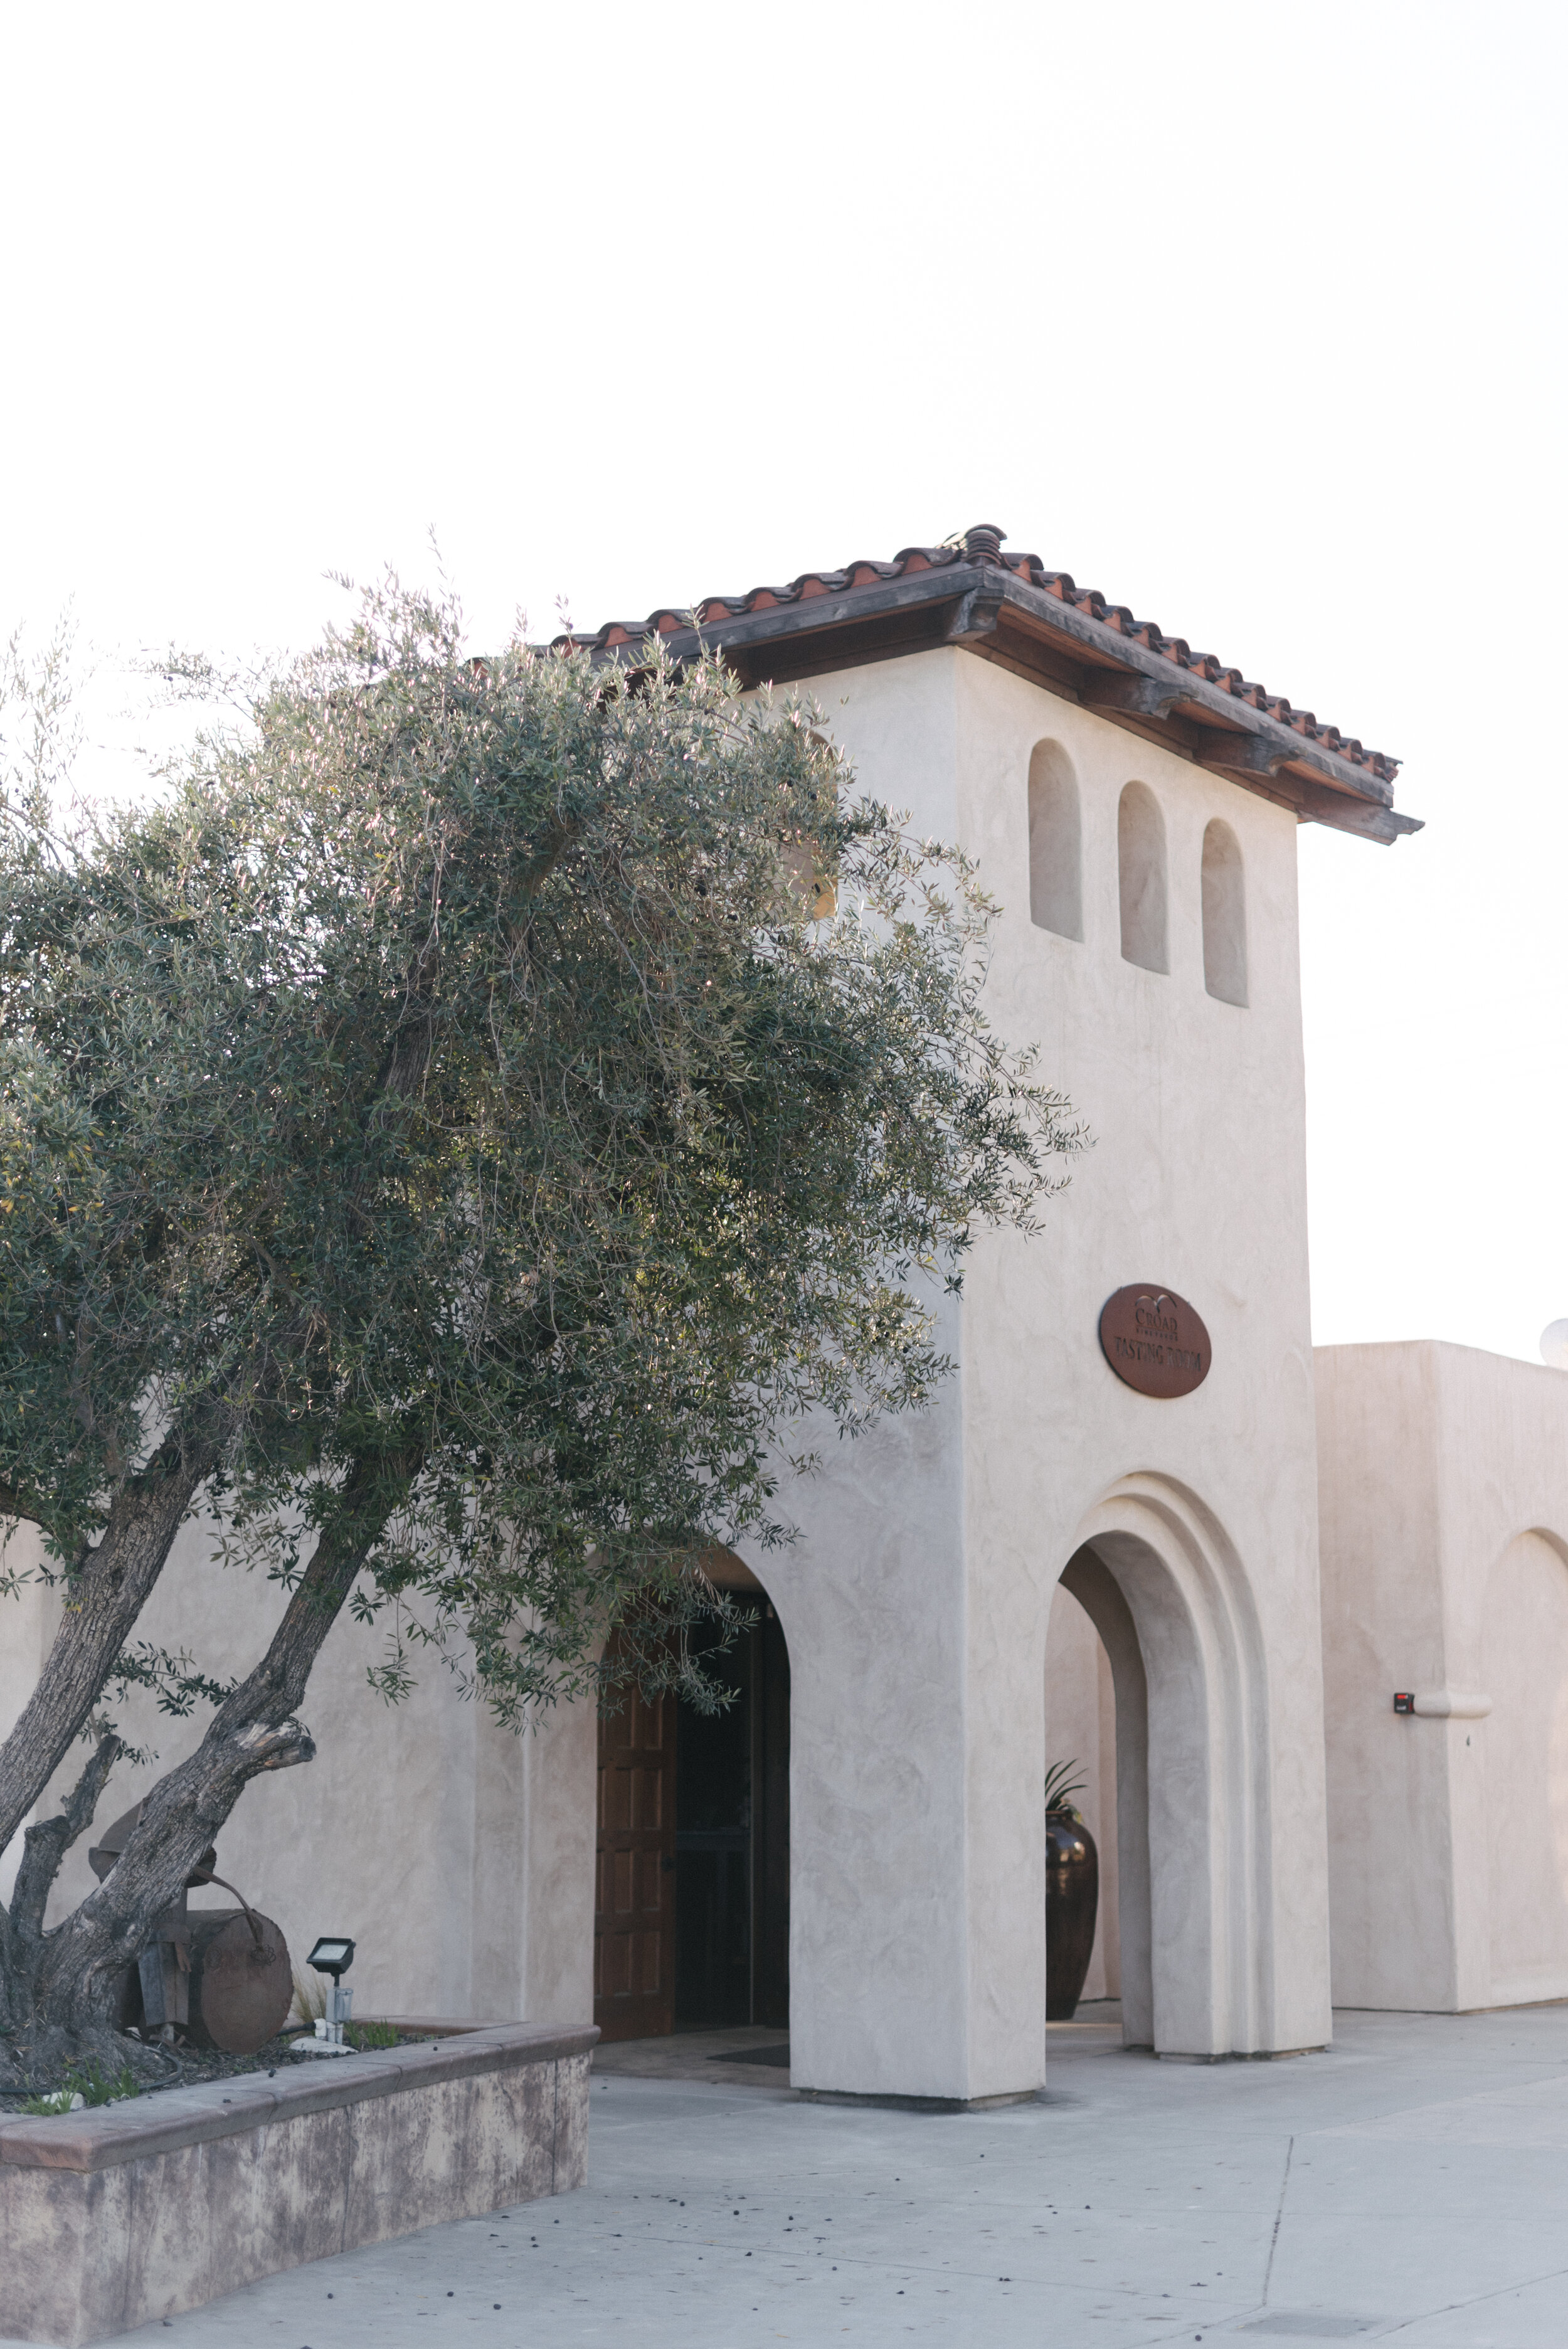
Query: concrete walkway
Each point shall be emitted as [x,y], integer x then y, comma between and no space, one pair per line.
[1412,2183]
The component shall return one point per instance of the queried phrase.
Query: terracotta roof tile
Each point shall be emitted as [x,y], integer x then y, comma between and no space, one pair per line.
[716,609]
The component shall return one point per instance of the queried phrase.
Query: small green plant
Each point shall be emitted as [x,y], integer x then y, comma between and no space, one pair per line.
[1061,1785]
[85,2084]
[95,2086]
[371,2034]
[44,2107]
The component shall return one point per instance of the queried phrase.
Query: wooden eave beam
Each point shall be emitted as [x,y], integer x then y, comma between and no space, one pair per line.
[1275,765]
[1117,693]
[983,609]
[1030,609]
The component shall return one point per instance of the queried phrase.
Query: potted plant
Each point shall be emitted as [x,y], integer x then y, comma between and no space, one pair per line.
[1072,1894]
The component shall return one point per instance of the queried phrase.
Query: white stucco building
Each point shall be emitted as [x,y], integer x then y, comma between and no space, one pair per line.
[1209,1599]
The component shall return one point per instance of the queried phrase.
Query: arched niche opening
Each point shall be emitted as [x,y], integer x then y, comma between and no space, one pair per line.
[1056,843]
[1224,915]
[1140,867]
[691,1926]
[816,891]
[1172,1612]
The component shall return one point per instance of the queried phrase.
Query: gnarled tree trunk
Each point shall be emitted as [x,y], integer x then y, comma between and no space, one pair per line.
[60,1990]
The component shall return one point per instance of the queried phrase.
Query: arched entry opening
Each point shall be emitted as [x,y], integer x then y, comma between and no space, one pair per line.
[1522,1746]
[1093,1592]
[691,1927]
[1170,1609]
[1080,1736]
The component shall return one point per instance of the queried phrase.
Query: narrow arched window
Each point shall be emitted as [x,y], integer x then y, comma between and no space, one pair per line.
[1140,858]
[1056,858]
[816,891]
[1224,915]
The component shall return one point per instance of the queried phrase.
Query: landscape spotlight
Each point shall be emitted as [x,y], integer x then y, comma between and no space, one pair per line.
[334,1954]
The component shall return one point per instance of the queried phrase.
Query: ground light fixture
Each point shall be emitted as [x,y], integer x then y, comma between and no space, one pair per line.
[334,1954]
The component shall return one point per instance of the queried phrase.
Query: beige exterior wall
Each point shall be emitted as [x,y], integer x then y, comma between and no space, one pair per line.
[1445,1572]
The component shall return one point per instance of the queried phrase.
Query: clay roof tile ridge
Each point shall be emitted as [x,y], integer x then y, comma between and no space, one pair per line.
[867,572]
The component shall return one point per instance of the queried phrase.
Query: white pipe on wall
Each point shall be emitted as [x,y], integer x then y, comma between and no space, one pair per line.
[1451,1704]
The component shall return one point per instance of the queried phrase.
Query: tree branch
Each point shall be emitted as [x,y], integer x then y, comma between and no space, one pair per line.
[48,1840]
[25,1507]
[253,1730]
[104,1601]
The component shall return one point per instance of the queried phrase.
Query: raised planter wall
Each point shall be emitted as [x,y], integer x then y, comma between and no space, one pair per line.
[111,2219]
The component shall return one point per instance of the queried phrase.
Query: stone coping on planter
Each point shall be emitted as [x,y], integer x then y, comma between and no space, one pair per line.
[100,2138]
[112,2218]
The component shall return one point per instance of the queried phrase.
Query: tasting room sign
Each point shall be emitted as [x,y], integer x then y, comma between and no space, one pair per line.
[1154,1340]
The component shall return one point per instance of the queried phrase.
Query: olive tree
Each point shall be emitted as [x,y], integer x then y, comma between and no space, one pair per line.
[444,1137]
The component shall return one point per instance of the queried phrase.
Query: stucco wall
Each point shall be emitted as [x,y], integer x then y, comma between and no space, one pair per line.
[1445,1572]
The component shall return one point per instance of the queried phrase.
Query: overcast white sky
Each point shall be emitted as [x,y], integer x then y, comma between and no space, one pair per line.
[1251,316]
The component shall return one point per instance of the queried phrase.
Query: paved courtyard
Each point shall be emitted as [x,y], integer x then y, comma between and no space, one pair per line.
[1411,2184]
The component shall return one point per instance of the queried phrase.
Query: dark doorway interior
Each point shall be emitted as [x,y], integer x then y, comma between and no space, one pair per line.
[732,1842]
[692,1923]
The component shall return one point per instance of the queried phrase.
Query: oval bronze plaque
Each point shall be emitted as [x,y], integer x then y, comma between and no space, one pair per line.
[1154,1340]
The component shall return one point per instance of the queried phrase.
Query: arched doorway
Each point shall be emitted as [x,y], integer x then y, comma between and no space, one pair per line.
[1169,1604]
[1094,1588]
[1522,1746]
[691,1928]
[1081,1735]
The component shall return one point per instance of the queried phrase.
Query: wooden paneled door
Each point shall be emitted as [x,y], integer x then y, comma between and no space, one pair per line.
[635,1906]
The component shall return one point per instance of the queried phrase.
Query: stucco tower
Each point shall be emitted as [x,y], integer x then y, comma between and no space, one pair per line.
[1134,807]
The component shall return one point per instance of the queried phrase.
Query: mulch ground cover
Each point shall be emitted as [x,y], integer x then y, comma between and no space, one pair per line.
[186,2066]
